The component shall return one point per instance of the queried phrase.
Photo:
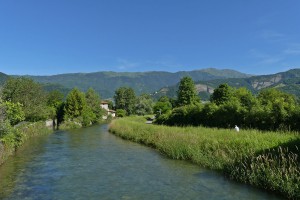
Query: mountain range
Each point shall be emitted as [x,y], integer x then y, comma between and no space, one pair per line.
[161,83]
[288,81]
[106,83]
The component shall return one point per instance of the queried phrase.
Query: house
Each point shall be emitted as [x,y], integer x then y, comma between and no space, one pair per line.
[104,105]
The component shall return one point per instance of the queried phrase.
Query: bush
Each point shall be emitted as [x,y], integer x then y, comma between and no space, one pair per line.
[120,113]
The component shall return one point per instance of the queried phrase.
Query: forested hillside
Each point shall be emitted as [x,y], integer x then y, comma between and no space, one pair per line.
[3,78]
[106,83]
[166,83]
[288,81]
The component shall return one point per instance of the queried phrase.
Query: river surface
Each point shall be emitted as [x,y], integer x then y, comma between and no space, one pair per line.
[91,163]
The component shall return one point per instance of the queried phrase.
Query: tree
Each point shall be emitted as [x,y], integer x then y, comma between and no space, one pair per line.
[245,97]
[162,106]
[75,104]
[28,93]
[144,105]
[93,101]
[222,94]
[14,112]
[54,102]
[278,106]
[186,93]
[120,113]
[55,98]
[125,99]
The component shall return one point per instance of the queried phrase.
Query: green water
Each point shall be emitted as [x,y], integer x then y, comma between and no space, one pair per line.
[94,164]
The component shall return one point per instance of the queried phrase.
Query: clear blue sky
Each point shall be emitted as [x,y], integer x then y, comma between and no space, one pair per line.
[42,37]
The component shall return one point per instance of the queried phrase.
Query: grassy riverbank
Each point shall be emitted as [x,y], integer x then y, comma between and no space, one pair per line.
[268,160]
[18,135]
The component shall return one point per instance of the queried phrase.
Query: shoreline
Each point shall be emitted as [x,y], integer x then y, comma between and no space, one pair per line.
[10,143]
[266,160]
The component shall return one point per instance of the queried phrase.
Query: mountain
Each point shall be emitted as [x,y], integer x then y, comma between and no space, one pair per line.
[288,81]
[3,78]
[142,82]
[166,83]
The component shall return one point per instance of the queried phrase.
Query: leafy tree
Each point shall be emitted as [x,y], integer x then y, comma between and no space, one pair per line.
[120,113]
[186,93]
[55,98]
[207,116]
[278,106]
[162,106]
[10,114]
[14,112]
[75,104]
[245,97]
[144,105]
[247,103]
[54,102]
[93,101]
[88,116]
[28,93]
[222,94]
[125,99]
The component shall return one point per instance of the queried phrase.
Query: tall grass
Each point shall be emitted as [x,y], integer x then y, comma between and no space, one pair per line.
[268,160]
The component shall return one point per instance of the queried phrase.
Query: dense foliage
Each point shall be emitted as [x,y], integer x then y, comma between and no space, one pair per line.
[28,93]
[144,105]
[82,109]
[284,81]
[186,93]
[271,109]
[125,99]
[22,99]
[162,106]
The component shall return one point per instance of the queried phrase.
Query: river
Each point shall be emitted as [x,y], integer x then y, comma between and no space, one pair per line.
[91,163]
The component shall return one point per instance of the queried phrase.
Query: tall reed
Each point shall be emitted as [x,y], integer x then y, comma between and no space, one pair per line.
[268,160]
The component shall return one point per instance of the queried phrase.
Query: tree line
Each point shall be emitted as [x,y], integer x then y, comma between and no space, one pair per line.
[271,109]
[22,99]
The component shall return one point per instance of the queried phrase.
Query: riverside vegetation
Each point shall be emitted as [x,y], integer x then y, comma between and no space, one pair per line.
[25,106]
[15,137]
[267,160]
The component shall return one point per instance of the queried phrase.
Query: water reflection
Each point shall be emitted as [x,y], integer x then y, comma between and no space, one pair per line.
[93,164]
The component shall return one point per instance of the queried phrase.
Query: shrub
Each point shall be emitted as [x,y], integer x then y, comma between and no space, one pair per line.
[120,113]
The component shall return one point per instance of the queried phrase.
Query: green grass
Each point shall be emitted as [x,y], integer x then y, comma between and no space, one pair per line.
[268,160]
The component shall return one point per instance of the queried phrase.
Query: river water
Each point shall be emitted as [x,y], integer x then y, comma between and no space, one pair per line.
[91,163]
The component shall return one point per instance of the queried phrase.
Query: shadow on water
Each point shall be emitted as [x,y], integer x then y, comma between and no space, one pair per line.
[94,164]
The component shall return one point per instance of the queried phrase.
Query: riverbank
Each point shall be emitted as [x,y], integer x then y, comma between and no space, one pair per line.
[18,136]
[268,160]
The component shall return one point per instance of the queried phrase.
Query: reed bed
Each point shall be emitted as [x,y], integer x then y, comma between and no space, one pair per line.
[268,160]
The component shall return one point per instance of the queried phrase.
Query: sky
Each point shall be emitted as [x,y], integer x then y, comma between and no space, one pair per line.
[47,37]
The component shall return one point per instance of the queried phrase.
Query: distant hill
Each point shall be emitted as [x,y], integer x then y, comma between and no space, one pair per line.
[3,78]
[142,82]
[288,81]
[166,83]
